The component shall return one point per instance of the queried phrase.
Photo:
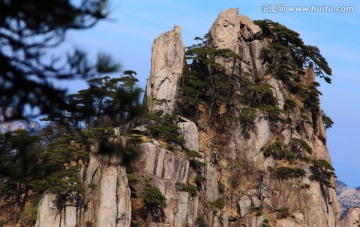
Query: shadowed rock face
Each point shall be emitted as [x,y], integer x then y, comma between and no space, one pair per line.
[167,62]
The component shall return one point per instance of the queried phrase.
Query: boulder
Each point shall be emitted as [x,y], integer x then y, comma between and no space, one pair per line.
[244,206]
[190,133]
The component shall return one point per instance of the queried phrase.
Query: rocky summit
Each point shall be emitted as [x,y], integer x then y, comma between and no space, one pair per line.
[234,135]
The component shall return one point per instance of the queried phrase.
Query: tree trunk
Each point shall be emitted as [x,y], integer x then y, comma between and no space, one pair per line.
[16,213]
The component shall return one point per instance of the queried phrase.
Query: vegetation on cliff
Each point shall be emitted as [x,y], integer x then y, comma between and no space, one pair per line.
[221,99]
[51,160]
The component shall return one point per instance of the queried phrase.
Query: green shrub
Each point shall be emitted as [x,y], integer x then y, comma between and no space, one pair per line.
[305,186]
[272,112]
[135,138]
[197,165]
[311,101]
[288,155]
[203,79]
[288,54]
[164,128]
[89,224]
[153,198]
[290,104]
[283,213]
[261,95]
[132,181]
[299,172]
[192,154]
[200,222]
[29,215]
[221,187]
[265,223]
[300,146]
[248,116]
[171,147]
[219,203]
[322,171]
[273,149]
[288,172]
[328,122]
[294,150]
[191,189]
[200,179]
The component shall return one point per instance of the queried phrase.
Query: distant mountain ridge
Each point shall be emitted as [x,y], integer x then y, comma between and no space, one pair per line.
[32,127]
[348,197]
[9,126]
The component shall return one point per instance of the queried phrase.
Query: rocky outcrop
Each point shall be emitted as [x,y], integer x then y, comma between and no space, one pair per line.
[244,145]
[167,169]
[163,164]
[48,213]
[167,63]
[351,218]
[212,179]
[238,33]
[189,131]
[220,175]
[106,199]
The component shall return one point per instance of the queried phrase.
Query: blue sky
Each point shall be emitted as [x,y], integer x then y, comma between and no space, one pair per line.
[133,25]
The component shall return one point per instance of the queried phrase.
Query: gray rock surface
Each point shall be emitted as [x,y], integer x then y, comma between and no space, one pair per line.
[48,214]
[238,33]
[212,179]
[167,62]
[351,218]
[189,131]
[163,164]
[106,195]
[248,185]
[348,198]
[244,205]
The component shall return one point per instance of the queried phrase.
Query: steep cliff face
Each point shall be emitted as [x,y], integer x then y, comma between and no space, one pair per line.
[104,202]
[239,34]
[234,158]
[241,163]
[167,63]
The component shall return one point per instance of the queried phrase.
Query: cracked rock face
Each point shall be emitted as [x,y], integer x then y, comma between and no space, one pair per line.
[167,62]
[238,33]
[189,131]
[167,169]
[238,163]
[106,196]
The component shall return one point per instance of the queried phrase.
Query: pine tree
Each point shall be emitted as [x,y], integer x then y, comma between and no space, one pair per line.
[28,31]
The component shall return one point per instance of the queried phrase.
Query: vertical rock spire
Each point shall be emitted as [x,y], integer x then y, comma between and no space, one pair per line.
[167,62]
